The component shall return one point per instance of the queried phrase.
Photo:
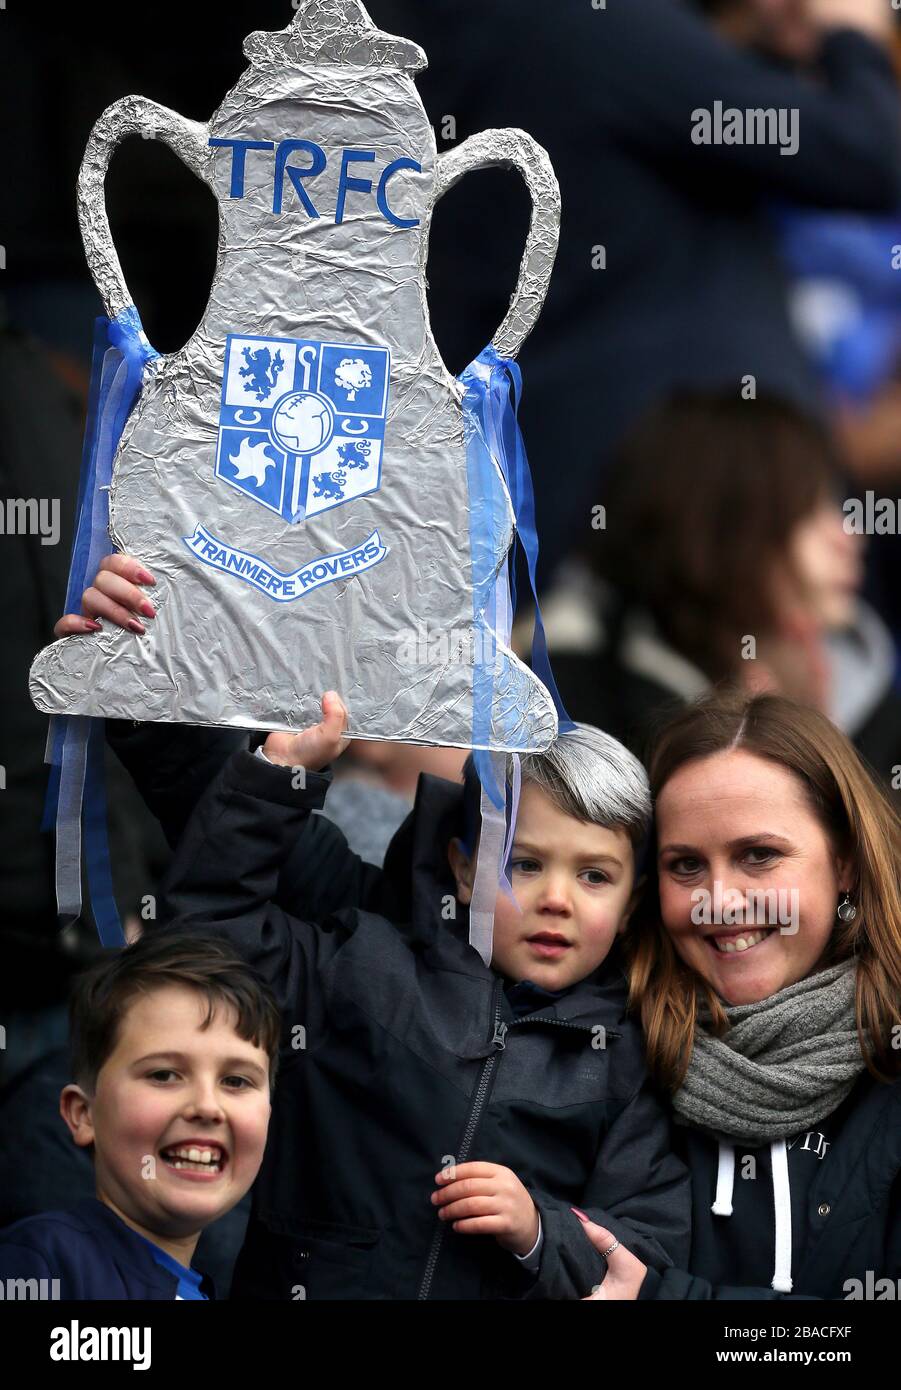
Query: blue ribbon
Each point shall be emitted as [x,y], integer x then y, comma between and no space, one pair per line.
[75,745]
[493,387]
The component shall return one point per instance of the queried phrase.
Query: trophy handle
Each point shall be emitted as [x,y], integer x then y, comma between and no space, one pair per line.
[514,149]
[129,116]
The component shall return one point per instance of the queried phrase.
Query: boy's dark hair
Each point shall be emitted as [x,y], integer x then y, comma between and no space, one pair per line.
[198,960]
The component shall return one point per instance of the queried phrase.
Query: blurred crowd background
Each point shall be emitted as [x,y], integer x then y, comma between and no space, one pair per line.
[716,372]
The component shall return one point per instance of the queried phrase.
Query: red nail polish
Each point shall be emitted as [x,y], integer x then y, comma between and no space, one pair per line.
[148,609]
[145,577]
[580,1214]
[135,626]
[93,626]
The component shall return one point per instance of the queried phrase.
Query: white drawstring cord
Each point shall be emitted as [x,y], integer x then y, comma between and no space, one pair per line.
[722,1206]
[782,1274]
[725,1178]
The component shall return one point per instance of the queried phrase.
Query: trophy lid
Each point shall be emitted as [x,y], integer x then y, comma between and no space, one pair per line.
[334,31]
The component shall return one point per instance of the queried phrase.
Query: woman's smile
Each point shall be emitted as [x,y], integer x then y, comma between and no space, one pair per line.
[736,943]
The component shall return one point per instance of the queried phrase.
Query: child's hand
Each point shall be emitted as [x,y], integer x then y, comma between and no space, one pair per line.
[625,1272]
[114,594]
[313,748]
[484,1199]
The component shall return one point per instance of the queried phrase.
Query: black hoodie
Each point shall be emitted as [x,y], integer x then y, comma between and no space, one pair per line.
[839,1212]
[402,1052]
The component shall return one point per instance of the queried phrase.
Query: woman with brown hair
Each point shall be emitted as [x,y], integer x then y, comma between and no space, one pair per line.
[766,966]
[724,559]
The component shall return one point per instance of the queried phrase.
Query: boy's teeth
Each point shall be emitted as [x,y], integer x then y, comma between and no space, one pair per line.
[740,943]
[195,1155]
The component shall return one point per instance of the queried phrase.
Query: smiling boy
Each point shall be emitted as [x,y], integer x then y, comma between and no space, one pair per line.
[440,1119]
[174,1049]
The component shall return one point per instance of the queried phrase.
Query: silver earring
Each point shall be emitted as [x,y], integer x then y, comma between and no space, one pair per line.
[846,910]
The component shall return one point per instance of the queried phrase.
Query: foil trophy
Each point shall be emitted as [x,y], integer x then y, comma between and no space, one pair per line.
[296,475]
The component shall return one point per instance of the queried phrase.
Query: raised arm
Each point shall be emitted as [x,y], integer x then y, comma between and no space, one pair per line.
[658,63]
[226,870]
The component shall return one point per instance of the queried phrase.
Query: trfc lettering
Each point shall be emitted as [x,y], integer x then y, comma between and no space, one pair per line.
[318,160]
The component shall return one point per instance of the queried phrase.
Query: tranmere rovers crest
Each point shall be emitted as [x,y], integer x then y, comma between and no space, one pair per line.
[302,424]
[301,430]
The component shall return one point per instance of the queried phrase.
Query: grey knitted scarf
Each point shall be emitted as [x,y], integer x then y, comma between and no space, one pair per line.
[785,1063]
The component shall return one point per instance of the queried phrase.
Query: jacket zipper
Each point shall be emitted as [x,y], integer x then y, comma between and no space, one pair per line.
[560,1023]
[483,1084]
[480,1094]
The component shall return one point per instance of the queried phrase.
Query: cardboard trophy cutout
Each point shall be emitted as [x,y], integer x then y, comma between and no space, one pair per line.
[297,476]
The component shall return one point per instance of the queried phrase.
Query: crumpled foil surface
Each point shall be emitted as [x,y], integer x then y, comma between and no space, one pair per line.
[220,652]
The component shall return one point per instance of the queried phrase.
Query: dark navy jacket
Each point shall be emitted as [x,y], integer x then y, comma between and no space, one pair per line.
[412,1055]
[92,1253]
[845,1180]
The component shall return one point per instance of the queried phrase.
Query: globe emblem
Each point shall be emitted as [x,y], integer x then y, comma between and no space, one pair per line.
[302,422]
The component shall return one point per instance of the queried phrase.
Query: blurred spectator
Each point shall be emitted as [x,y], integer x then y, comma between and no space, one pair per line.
[846,299]
[846,302]
[694,291]
[724,559]
[375,787]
